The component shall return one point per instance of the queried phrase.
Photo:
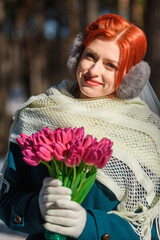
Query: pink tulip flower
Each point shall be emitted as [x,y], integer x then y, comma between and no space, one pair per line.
[23,142]
[69,134]
[74,156]
[78,133]
[105,142]
[30,157]
[88,141]
[46,131]
[60,136]
[67,144]
[75,133]
[98,153]
[58,151]
[44,153]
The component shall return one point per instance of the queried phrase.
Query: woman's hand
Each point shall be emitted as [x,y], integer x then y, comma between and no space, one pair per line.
[52,191]
[61,215]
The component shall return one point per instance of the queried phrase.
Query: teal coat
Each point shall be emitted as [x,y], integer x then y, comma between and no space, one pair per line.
[22,200]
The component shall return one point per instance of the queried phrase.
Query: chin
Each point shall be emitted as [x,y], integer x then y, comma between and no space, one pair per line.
[88,94]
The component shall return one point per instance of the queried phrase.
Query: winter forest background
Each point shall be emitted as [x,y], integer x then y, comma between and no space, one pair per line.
[35,37]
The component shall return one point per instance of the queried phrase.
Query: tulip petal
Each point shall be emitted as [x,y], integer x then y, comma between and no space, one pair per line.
[44,154]
[31,162]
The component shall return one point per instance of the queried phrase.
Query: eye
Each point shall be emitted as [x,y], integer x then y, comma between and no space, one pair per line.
[111,66]
[90,56]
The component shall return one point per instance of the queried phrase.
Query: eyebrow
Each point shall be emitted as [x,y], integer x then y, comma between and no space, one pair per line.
[106,59]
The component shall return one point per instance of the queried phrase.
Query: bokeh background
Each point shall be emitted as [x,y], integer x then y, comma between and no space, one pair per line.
[35,37]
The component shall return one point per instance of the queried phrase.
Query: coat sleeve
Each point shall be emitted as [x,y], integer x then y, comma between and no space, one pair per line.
[100,223]
[19,207]
[98,203]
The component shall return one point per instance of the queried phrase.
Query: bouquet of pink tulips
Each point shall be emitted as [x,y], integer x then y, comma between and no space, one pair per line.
[69,156]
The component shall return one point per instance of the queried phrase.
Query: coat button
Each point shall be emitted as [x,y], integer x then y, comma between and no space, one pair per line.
[106,236]
[18,219]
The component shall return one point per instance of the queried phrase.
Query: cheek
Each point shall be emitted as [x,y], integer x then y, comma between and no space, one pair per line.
[110,79]
[80,69]
[108,76]
[84,65]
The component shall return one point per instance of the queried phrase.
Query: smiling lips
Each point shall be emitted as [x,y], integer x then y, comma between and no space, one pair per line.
[92,81]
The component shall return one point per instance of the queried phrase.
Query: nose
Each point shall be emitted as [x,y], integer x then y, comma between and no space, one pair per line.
[96,69]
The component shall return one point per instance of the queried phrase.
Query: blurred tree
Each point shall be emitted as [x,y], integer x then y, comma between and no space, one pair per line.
[136,12]
[34,40]
[123,8]
[132,10]
[152,29]
[74,16]
[90,11]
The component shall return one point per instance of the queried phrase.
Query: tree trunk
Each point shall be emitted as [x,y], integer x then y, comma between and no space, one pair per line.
[90,11]
[152,29]
[124,8]
[73,11]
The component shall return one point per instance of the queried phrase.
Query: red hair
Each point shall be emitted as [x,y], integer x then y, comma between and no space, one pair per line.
[130,39]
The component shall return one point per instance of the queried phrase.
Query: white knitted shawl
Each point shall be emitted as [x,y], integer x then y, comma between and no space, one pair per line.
[133,172]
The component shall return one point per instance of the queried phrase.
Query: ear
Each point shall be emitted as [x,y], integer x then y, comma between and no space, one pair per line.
[134,81]
[75,53]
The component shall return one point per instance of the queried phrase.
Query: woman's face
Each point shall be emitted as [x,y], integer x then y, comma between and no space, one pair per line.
[98,68]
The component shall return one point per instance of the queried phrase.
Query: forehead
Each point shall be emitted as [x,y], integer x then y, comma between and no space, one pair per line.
[104,48]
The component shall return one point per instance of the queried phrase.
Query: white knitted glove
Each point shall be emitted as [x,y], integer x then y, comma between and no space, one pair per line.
[61,215]
[51,191]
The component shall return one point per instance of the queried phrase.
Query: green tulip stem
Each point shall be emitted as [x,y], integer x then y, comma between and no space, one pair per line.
[48,166]
[67,177]
[81,181]
[56,168]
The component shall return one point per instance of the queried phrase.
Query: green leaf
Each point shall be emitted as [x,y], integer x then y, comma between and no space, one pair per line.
[56,167]
[92,171]
[82,193]
[68,178]
[53,169]
[82,177]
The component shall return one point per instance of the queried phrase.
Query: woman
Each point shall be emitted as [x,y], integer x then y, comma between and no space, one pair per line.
[124,202]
